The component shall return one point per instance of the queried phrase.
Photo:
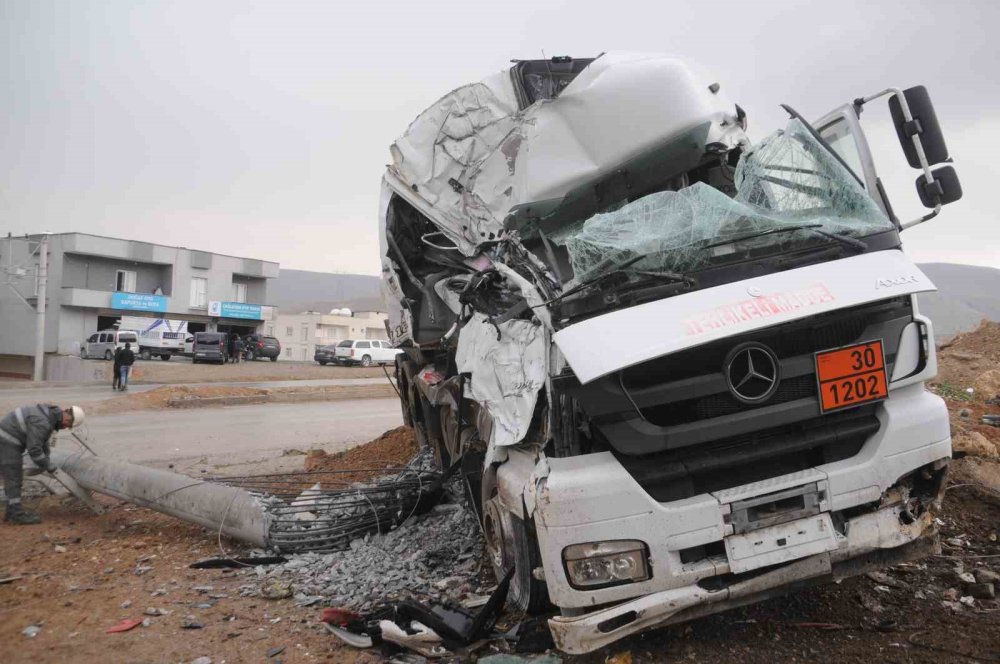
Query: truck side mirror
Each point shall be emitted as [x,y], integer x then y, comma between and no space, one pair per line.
[924,124]
[945,189]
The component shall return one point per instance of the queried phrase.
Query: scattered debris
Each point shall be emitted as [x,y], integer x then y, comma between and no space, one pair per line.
[191,624]
[224,563]
[153,611]
[59,548]
[274,652]
[31,631]
[126,604]
[10,579]
[124,626]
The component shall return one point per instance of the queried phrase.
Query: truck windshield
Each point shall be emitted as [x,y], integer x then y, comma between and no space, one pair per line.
[787,180]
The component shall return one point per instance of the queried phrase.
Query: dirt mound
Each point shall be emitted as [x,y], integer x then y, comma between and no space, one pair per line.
[969,381]
[159,397]
[968,356]
[392,449]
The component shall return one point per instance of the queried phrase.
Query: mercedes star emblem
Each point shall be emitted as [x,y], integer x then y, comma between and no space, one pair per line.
[752,372]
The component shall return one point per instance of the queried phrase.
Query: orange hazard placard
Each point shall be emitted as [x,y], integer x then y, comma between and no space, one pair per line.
[851,376]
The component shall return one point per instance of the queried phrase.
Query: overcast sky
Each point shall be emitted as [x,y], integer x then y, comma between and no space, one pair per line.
[262,128]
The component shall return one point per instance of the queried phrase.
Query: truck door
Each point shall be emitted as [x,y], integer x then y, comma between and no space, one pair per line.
[842,132]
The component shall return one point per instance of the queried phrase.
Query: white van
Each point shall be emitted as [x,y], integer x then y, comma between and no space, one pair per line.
[102,344]
[160,343]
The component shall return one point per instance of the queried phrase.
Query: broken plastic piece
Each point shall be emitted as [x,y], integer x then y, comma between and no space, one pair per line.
[350,638]
[124,626]
[417,637]
[337,616]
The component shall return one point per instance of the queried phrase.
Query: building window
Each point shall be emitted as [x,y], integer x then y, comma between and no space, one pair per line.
[288,351]
[199,293]
[269,330]
[305,331]
[289,332]
[125,281]
[239,292]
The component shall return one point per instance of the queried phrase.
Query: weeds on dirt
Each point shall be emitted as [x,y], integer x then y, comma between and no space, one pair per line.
[948,391]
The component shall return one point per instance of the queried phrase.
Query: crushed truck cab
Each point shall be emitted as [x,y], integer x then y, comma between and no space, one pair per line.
[679,372]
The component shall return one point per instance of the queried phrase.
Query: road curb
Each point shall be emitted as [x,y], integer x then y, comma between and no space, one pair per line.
[366,392]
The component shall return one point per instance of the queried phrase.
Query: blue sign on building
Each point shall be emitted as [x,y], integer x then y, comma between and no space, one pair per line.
[235,310]
[139,302]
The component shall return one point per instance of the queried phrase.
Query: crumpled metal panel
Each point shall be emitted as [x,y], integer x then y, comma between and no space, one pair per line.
[473,155]
[507,372]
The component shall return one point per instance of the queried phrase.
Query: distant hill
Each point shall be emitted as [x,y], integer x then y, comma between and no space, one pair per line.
[295,291]
[966,294]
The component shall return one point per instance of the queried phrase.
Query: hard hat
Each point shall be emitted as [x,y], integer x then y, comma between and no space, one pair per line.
[78,416]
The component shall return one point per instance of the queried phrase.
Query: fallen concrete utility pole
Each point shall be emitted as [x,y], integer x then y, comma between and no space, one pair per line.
[228,509]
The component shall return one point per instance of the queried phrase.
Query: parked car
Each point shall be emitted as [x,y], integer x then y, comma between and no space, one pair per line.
[258,345]
[210,347]
[103,344]
[366,353]
[189,346]
[325,354]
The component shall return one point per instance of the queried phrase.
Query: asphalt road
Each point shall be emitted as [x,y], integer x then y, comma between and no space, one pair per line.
[238,436]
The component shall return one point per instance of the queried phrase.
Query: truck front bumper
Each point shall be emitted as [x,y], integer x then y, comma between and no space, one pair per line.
[873,541]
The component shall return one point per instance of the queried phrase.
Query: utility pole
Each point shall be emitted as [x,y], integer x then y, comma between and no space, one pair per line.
[43,279]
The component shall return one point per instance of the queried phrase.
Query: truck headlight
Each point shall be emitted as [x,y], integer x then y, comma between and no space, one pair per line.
[600,564]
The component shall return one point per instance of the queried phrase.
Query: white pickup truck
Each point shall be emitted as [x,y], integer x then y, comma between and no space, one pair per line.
[681,372]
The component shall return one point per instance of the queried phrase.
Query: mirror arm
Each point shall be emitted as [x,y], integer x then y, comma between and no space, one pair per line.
[930,215]
[917,145]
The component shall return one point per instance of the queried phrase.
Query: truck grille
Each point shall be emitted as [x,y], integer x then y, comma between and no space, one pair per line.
[666,419]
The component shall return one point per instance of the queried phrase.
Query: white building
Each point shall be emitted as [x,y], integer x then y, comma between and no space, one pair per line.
[94,281]
[299,334]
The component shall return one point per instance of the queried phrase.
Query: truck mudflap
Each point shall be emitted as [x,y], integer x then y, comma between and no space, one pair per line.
[857,554]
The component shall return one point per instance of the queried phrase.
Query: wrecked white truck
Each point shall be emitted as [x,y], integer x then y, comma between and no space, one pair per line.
[679,372]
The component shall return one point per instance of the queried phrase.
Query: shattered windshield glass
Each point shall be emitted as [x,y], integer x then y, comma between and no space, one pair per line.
[788,179]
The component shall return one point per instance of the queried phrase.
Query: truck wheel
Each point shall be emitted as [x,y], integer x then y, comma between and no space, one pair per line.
[511,542]
[145,354]
[165,358]
[366,361]
[108,355]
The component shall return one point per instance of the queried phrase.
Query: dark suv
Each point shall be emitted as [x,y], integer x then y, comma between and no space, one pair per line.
[257,346]
[210,347]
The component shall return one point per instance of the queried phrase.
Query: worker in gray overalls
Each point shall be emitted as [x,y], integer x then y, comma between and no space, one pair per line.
[29,429]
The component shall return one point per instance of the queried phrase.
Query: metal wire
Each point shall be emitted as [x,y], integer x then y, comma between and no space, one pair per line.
[325,510]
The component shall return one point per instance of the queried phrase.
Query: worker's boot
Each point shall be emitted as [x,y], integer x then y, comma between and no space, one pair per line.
[17,515]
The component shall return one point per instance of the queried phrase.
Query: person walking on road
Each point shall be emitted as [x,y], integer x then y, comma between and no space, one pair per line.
[237,350]
[29,429]
[127,359]
[231,346]
[116,371]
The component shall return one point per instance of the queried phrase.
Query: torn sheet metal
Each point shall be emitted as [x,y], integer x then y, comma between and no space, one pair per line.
[473,155]
[507,373]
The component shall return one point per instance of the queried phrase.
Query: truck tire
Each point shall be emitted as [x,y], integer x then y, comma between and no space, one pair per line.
[144,354]
[165,358]
[366,360]
[511,542]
